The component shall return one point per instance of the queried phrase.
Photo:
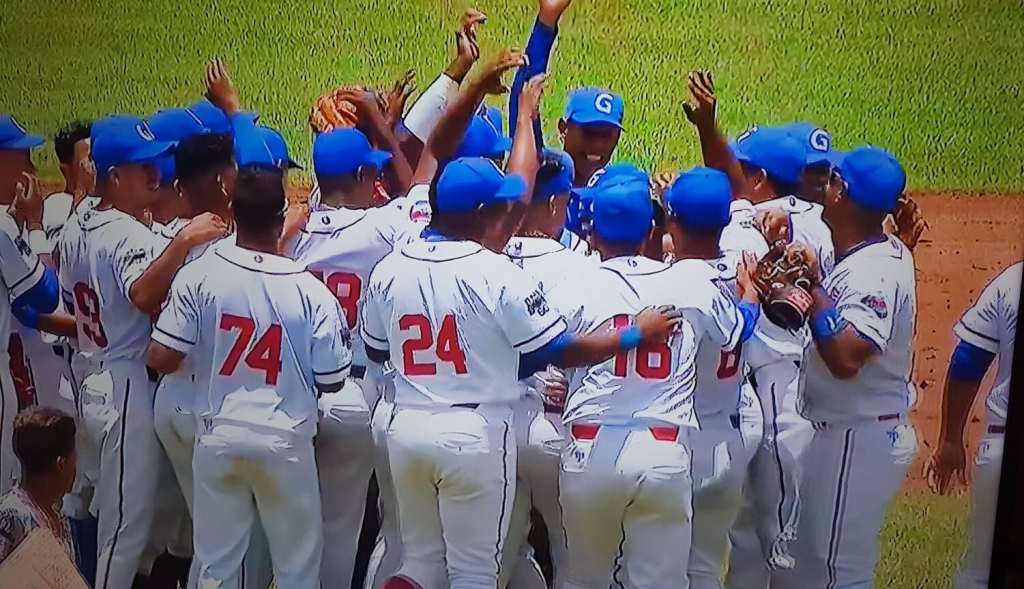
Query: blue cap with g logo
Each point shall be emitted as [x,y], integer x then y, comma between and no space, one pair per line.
[701,198]
[174,124]
[874,178]
[773,150]
[469,183]
[817,144]
[278,148]
[581,199]
[125,140]
[14,137]
[594,106]
[623,212]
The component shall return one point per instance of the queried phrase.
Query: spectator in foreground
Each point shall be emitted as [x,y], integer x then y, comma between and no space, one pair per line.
[44,442]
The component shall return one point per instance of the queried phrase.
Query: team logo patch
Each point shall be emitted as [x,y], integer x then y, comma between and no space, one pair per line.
[536,304]
[145,132]
[603,103]
[876,304]
[420,212]
[22,246]
[137,256]
[820,140]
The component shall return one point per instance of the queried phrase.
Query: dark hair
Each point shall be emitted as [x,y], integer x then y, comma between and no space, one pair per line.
[203,153]
[65,138]
[259,199]
[550,166]
[41,436]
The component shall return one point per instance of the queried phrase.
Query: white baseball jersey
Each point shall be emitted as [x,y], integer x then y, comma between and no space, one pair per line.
[56,212]
[719,371]
[340,247]
[652,383]
[263,331]
[742,234]
[548,261]
[991,324]
[415,203]
[576,243]
[875,290]
[455,317]
[100,261]
[20,270]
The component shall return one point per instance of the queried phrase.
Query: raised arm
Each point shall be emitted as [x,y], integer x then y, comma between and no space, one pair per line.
[373,123]
[713,145]
[538,53]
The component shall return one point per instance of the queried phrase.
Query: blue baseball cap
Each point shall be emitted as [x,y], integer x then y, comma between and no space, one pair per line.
[623,212]
[174,124]
[14,137]
[817,144]
[773,150]
[874,178]
[469,183]
[278,148]
[701,198]
[581,199]
[595,106]
[210,117]
[343,151]
[168,171]
[561,182]
[125,140]
[484,137]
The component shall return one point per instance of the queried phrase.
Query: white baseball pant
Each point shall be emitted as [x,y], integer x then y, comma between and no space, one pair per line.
[240,472]
[117,404]
[344,460]
[175,428]
[10,468]
[766,525]
[722,450]
[81,500]
[387,553]
[626,490]
[540,437]
[850,474]
[984,498]
[453,470]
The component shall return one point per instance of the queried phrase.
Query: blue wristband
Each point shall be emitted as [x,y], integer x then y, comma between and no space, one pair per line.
[27,316]
[630,338]
[827,324]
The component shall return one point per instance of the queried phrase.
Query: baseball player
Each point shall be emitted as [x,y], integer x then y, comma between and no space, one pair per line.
[858,391]
[986,331]
[262,333]
[343,240]
[626,468]
[699,204]
[772,163]
[116,281]
[463,324]
[25,281]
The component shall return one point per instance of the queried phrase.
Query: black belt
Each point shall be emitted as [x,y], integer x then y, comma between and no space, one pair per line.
[997,429]
[357,372]
[466,406]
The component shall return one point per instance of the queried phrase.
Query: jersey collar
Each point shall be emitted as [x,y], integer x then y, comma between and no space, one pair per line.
[94,219]
[532,247]
[634,265]
[333,220]
[257,261]
[440,251]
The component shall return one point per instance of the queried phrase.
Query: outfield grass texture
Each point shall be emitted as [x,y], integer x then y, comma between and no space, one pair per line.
[936,83]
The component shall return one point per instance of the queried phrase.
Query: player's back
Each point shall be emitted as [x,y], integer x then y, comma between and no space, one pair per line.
[652,383]
[341,246]
[548,261]
[100,260]
[256,318]
[454,317]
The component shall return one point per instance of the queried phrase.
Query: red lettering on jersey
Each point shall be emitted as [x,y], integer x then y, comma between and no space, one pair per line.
[653,361]
[448,349]
[264,357]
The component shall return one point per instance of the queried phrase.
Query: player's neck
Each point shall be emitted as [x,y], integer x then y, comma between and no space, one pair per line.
[266,244]
[128,206]
[42,491]
[849,238]
[697,249]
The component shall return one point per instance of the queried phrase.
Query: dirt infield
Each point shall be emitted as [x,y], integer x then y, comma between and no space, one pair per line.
[971,239]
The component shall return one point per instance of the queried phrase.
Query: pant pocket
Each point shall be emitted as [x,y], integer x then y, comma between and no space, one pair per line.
[903,442]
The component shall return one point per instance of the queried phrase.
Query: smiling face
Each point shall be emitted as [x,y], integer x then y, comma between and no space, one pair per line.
[589,146]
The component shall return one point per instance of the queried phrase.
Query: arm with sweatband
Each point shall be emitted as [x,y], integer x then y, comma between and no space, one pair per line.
[538,52]
[568,351]
[970,362]
[427,110]
[750,312]
[43,297]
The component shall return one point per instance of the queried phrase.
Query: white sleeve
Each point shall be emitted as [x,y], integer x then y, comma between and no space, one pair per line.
[715,313]
[132,257]
[19,265]
[372,329]
[524,315]
[980,324]
[870,309]
[426,112]
[332,343]
[177,327]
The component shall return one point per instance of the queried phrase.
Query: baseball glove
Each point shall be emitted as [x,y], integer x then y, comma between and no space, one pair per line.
[909,222]
[784,278]
[332,112]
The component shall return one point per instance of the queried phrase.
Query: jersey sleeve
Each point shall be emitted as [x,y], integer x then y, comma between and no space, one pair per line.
[177,327]
[715,314]
[372,329]
[980,324]
[132,256]
[332,343]
[869,307]
[523,313]
[20,267]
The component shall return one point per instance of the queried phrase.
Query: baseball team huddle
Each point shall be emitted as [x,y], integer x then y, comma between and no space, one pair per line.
[699,379]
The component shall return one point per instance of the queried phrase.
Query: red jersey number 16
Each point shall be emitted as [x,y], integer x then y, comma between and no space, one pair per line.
[653,361]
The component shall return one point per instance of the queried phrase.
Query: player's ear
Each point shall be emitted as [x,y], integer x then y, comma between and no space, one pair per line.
[562,127]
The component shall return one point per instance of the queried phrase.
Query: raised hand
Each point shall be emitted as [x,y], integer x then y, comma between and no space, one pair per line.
[773,223]
[220,90]
[27,206]
[399,95]
[490,81]
[657,324]
[745,278]
[529,100]
[205,228]
[467,49]
[701,111]
[549,11]
[83,170]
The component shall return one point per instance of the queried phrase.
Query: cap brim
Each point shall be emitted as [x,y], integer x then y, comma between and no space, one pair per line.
[833,159]
[512,188]
[26,142]
[380,158]
[595,119]
[501,146]
[151,151]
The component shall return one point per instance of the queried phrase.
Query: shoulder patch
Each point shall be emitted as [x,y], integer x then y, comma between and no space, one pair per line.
[536,304]
[876,304]
[420,212]
[22,246]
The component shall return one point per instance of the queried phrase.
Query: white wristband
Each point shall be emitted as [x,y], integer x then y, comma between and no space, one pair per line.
[426,112]
[39,243]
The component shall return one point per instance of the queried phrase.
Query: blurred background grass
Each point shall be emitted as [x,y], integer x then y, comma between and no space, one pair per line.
[935,82]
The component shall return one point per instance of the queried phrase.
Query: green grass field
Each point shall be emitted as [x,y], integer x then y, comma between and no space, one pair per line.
[936,81]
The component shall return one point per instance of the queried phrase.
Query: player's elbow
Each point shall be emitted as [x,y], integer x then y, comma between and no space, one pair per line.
[144,300]
[377,356]
[163,359]
[844,368]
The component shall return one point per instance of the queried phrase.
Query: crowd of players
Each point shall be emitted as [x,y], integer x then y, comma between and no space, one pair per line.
[503,336]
